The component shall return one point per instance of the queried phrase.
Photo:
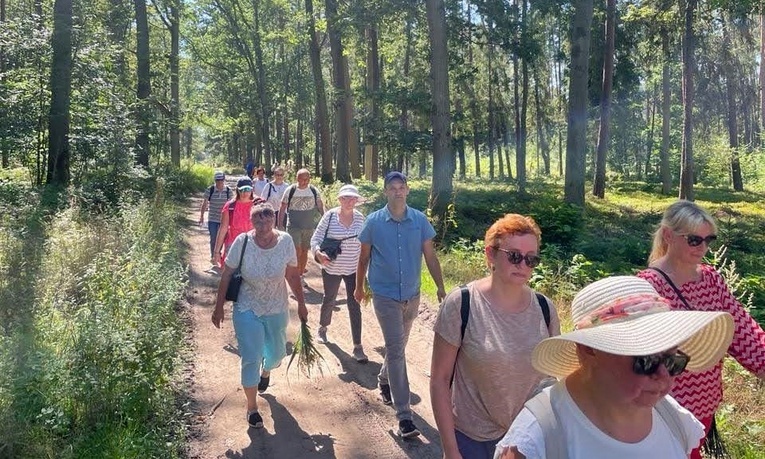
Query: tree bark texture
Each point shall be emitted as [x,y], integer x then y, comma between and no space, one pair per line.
[576,141]
[666,105]
[61,90]
[322,115]
[731,90]
[441,187]
[371,160]
[265,103]
[599,186]
[339,93]
[175,108]
[144,83]
[688,9]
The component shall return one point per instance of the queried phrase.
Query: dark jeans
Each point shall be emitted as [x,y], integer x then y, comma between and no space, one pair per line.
[213,227]
[331,286]
[474,449]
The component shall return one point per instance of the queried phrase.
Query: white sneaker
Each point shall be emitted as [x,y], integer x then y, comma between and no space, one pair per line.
[321,336]
[358,354]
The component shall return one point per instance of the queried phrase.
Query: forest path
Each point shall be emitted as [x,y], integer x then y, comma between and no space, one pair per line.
[339,415]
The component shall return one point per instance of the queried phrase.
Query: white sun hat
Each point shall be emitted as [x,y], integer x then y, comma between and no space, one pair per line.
[623,315]
[350,191]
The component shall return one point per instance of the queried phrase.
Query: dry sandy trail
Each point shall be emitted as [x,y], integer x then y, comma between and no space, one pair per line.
[338,415]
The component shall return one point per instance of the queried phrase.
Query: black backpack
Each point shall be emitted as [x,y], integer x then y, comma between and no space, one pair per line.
[211,190]
[292,193]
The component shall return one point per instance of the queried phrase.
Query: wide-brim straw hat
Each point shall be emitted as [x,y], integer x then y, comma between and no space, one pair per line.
[623,315]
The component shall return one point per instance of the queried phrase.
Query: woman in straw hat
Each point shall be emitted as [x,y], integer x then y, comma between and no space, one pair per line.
[676,271]
[342,223]
[616,369]
[481,369]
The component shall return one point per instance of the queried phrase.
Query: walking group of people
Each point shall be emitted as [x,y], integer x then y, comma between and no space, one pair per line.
[640,373]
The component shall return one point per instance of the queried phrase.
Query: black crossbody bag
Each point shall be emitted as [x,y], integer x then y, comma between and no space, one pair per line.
[232,292]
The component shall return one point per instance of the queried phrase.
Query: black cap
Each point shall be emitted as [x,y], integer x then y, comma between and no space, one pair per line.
[243,182]
[394,175]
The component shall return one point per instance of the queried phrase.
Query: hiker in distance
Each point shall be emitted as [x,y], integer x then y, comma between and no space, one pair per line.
[616,369]
[216,196]
[336,248]
[394,240]
[301,203]
[481,371]
[260,181]
[261,311]
[274,190]
[677,272]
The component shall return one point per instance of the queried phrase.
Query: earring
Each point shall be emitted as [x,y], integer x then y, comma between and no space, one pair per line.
[493,268]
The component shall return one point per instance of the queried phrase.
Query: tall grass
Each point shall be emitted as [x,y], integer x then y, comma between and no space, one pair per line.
[90,355]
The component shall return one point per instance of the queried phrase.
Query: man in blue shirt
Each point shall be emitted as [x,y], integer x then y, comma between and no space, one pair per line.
[393,242]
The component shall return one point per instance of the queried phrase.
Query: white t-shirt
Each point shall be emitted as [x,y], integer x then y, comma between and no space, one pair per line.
[258,186]
[264,289]
[586,441]
[277,191]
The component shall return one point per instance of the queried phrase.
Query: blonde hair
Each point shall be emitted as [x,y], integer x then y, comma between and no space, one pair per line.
[680,217]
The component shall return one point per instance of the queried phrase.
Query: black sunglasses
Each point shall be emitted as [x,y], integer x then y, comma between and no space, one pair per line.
[647,365]
[694,240]
[515,257]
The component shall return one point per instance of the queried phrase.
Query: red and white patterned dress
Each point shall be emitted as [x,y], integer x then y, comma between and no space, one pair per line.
[701,392]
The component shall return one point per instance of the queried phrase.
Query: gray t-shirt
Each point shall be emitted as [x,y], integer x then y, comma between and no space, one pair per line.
[302,212]
[494,376]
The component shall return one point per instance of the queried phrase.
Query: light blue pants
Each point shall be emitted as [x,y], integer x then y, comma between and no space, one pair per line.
[262,342]
[396,319]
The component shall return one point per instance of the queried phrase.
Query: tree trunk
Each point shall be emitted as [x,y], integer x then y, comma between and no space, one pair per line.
[688,8]
[520,141]
[265,104]
[730,94]
[354,157]
[175,110]
[340,96]
[61,89]
[404,117]
[576,142]
[4,156]
[666,113]
[144,83]
[322,116]
[441,187]
[762,67]
[651,118]
[544,145]
[371,161]
[599,186]
[491,118]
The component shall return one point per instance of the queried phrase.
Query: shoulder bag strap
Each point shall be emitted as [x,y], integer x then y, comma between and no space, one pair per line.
[464,316]
[544,307]
[674,287]
[241,255]
[329,222]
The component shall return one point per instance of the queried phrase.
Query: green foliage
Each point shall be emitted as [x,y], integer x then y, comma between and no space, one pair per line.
[91,349]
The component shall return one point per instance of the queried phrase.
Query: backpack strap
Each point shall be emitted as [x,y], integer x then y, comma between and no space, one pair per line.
[210,192]
[464,316]
[671,416]
[291,193]
[231,207]
[228,192]
[270,189]
[545,308]
[315,196]
[541,408]
[329,222]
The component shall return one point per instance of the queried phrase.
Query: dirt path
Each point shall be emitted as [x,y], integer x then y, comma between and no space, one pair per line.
[338,415]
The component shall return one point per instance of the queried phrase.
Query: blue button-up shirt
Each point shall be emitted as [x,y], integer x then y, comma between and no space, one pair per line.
[396,257]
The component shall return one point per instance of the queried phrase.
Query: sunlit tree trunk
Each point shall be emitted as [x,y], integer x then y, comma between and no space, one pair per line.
[354,157]
[576,142]
[544,145]
[599,186]
[144,83]
[175,108]
[371,161]
[265,103]
[322,115]
[61,89]
[441,187]
[731,89]
[666,105]
[342,127]
[688,8]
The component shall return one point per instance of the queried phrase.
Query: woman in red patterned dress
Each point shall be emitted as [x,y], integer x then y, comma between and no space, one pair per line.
[676,271]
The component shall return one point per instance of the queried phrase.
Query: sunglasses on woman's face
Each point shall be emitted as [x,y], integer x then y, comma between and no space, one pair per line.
[695,240]
[647,365]
[515,257]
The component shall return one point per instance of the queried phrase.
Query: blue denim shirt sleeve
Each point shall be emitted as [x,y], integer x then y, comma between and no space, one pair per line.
[396,256]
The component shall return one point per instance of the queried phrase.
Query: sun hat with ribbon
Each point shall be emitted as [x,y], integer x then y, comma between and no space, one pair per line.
[623,315]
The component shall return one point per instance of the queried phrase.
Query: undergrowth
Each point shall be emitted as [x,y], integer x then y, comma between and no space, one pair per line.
[91,345]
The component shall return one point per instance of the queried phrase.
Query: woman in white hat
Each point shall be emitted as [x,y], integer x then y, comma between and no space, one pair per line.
[481,371]
[616,369]
[676,271]
[336,248]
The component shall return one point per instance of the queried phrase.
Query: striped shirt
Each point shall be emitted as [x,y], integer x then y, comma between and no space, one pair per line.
[347,261]
[217,199]
[701,392]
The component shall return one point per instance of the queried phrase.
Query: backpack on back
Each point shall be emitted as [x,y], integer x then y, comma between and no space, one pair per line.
[292,193]
[211,190]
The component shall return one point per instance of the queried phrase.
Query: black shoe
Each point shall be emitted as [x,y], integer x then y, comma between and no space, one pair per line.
[254,420]
[406,429]
[385,394]
[263,384]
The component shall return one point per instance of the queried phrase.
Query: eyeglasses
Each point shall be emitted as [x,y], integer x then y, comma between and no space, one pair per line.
[647,365]
[515,257]
[245,188]
[695,240]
